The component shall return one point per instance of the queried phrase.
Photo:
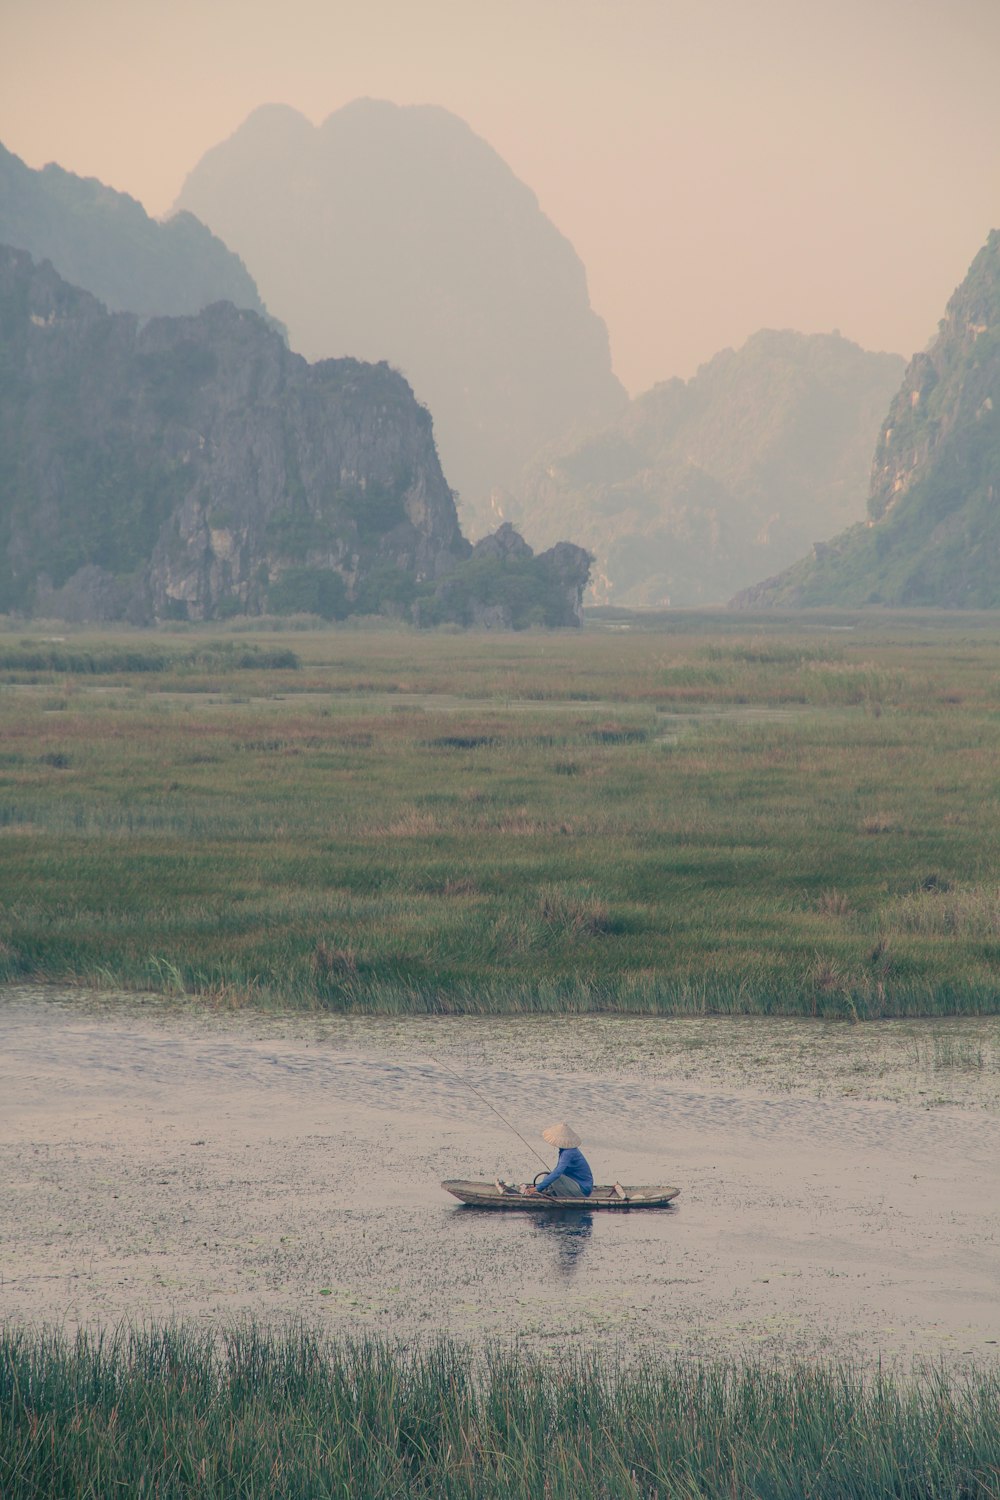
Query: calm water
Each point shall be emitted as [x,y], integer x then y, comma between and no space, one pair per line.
[839,1185]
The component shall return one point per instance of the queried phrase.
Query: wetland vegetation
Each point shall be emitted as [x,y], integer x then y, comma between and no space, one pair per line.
[691,815]
[176,1414]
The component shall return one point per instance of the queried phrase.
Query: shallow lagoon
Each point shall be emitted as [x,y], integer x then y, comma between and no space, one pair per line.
[839,1183]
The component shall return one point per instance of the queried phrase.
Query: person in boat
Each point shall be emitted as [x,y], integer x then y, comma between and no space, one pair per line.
[571,1177]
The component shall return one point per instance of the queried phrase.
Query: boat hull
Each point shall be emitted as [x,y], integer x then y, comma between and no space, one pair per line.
[615,1198]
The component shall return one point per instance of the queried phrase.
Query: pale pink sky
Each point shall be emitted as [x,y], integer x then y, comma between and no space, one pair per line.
[719,165]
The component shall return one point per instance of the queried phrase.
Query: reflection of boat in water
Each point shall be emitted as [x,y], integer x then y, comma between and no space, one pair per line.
[568,1233]
[504,1197]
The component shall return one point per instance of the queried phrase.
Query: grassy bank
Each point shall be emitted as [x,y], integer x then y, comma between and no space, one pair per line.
[680,819]
[165,1413]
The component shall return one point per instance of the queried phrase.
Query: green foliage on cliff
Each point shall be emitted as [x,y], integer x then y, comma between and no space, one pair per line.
[934,533]
[309,591]
[517,593]
[388,590]
[374,510]
[294,532]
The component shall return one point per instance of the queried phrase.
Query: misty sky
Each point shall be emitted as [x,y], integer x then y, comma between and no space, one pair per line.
[719,165]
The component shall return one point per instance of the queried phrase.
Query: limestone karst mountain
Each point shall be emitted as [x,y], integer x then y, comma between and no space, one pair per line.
[193,468]
[105,242]
[700,487]
[932,535]
[398,234]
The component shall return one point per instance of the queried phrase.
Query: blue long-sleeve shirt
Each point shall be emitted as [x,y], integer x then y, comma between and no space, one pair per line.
[571,1163]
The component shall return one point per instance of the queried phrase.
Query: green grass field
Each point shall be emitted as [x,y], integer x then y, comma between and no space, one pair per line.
[690,815]
[171,1414]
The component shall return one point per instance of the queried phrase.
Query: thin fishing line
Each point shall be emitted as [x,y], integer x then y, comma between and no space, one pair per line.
[490,1106]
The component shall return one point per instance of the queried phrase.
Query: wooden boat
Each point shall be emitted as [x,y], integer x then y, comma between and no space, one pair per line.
[504,1195]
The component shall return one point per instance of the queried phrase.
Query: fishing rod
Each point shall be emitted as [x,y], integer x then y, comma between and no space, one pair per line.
[490,1106]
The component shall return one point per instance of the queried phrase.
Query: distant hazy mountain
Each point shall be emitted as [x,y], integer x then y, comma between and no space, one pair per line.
[699,487]
[397,233]
[106,242]
[193,467]
[933,531]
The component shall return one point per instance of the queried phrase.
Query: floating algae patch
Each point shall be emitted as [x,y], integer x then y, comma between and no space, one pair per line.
[923,1063]
[917,1062]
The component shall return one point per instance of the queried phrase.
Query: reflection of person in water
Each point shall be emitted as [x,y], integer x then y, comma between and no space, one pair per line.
[571,1230]
[571,1177]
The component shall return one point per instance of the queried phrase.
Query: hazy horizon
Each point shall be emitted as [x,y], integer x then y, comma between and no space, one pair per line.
[718,168]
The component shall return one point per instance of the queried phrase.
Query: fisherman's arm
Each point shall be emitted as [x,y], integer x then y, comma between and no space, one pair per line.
[547,1181]
[557,1171]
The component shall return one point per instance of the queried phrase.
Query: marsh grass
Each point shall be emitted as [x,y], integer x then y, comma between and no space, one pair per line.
[953,1054]
[109,660]
[172,1413]
[957,912]
[479,824]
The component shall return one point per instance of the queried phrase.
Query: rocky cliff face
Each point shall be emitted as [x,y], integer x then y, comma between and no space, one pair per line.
[700,486]
[193,467]
[933,531]
[397,233]
[948,391]
[106,242]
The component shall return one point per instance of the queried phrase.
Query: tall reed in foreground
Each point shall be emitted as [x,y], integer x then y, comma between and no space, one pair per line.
[172,1413]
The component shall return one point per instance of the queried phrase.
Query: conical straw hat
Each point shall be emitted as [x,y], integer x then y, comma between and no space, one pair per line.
[560,1135]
